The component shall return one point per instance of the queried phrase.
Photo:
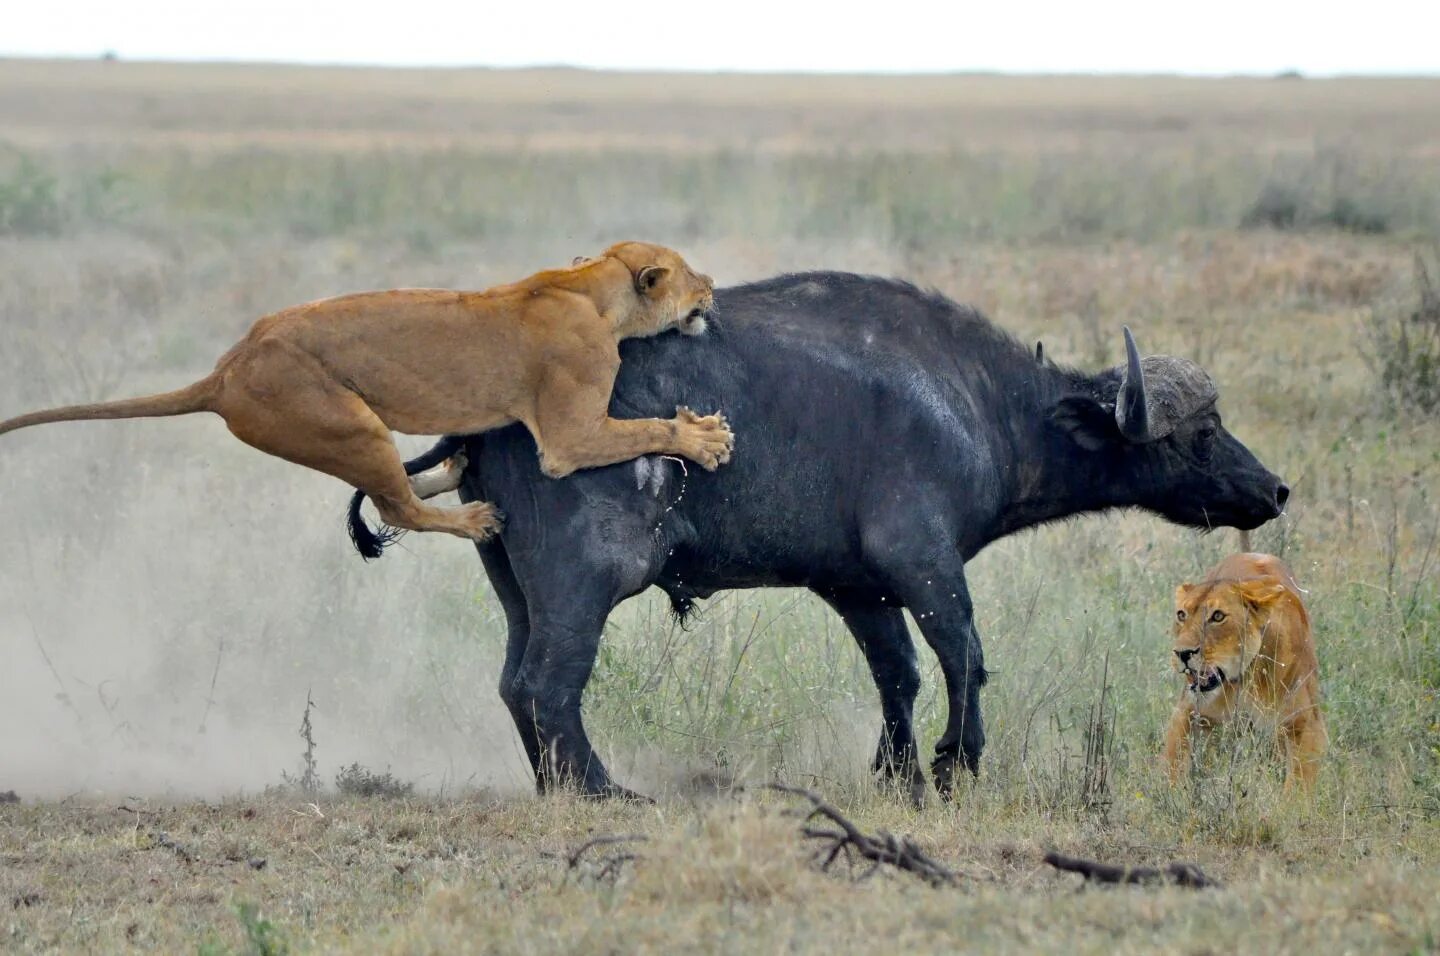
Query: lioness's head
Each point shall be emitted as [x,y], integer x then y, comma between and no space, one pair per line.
[672,295]
[1219,627]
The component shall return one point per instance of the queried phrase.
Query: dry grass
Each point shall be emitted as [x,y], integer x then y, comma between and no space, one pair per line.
[483,875]
[168,598]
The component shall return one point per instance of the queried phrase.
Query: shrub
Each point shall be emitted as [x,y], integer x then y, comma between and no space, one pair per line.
[29,199]
[1404,349]
[358,781]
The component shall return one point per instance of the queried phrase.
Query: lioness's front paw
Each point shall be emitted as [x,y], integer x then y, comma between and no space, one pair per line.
[704,439]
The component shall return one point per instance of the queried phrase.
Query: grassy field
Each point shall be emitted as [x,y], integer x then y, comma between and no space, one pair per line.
[169,598]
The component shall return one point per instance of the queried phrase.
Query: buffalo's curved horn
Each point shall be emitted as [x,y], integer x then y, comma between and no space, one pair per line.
[1158,392]
[1132,410]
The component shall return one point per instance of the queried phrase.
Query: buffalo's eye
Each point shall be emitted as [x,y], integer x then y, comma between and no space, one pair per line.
[1180,615]
[1217,617]
[1205,442]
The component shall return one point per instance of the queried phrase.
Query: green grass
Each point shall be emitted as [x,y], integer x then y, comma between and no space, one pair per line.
[904,199]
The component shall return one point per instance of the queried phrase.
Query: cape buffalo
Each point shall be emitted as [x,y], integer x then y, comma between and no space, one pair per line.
[885,435]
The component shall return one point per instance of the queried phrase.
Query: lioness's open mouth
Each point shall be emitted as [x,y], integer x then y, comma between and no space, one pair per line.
[1207,680]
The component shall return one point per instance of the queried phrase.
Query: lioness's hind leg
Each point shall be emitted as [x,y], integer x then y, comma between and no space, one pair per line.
[284,403]
[444,477]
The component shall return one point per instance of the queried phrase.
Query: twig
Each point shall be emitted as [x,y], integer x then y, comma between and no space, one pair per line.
[609,865]
[883,848]
[161,838]
[573,860]
[1178,874]
[214,676]
[64,695]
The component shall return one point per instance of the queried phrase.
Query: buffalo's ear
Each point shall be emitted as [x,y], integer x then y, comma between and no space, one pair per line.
[578,260]
[649,277]
[1086,421]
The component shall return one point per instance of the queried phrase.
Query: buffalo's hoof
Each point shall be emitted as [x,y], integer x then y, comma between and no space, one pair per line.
[614,791]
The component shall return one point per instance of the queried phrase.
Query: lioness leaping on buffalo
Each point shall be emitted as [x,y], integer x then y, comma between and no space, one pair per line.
[1244,646]
[323,384]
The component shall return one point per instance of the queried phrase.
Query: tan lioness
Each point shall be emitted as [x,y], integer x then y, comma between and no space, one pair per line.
[323,384]
[1243,645]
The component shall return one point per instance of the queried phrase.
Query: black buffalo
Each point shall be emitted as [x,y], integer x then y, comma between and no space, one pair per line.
[885,435]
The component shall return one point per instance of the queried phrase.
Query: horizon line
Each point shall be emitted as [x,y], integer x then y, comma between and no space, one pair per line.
[1283,73]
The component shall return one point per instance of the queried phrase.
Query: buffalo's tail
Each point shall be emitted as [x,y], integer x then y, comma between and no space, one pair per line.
[182,401]
[372,543]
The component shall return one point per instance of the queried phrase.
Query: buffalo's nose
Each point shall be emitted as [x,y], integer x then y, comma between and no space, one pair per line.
[1282,495]
[1185,656]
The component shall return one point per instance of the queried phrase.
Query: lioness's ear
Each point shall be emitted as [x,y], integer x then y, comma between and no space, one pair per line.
[649,277]
[1086,421]
[1261,593]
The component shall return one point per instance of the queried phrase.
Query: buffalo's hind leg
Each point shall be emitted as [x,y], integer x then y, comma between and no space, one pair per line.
[884,639]
[548,658]
[517,637]
[548,665]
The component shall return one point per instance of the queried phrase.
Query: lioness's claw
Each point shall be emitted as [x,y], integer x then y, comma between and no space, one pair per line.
[713,441]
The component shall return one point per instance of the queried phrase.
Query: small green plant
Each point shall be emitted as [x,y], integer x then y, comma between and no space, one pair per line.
[358,781]
[262,937]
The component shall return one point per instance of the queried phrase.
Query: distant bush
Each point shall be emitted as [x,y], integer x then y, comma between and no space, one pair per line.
[1404,349]
[1277,207]
[36,201]
[1288,208]
[1349,215]
[29,199]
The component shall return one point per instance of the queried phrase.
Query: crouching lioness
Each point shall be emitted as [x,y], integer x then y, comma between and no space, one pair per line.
[323,384]
[1244,647]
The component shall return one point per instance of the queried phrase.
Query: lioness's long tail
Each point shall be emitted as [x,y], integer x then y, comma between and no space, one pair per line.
[182,401]
[371,544]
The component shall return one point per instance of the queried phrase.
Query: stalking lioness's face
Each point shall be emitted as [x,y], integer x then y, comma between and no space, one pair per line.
[672,294]
[1216,630]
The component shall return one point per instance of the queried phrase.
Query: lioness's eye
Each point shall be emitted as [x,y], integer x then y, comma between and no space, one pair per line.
[1217,617]
[1179,615]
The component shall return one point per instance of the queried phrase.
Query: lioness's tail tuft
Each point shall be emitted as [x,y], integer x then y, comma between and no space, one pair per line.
[371,544]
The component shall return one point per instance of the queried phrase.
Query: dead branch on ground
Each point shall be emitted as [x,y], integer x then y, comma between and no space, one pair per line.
[1178,874]
[881,849]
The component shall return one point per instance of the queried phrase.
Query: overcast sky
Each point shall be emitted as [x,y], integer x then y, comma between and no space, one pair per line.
[1204,37]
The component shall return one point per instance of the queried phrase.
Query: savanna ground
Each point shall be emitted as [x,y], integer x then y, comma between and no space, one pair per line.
[168,598]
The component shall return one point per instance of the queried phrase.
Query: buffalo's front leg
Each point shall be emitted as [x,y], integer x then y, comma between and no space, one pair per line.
[940,603]
[885,640]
